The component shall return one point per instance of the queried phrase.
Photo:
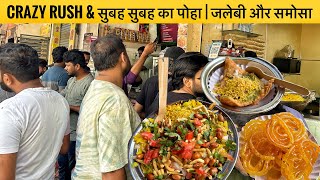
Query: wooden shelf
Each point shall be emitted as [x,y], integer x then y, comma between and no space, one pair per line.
[243,33]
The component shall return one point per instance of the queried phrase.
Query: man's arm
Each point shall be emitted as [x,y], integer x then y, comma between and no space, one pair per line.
[137,67]
[138,107]
[119,174]
[75,108]
[66,139]
[65,144]
[8,166]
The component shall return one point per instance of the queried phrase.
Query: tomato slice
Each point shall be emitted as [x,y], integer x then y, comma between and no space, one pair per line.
[155,153]
[189,136]
[148,156]
[147,135]
[200,171]
[154,143]
[197,122]
[187,149]
[207,144]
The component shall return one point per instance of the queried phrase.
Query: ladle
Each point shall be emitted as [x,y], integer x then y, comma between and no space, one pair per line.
[294,87]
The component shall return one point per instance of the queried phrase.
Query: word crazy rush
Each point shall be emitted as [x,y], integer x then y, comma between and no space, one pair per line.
[39,11]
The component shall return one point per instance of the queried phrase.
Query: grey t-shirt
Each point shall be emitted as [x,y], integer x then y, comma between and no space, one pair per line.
[74,93]
[5,95]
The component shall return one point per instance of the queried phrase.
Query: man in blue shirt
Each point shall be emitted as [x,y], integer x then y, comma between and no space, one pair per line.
[56,77]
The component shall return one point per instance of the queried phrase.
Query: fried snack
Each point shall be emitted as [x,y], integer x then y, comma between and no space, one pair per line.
[191,140]
[295,163]
[239,88]
[252,163]
[311,149]
[261,146]
[295,125]
[252,127]
[278,147]
[279,133]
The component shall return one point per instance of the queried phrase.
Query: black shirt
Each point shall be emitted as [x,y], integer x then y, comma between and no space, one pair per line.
[171,98]
[149,91]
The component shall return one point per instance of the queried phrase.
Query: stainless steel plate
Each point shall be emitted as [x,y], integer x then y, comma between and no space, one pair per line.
[213,71]
[227,168]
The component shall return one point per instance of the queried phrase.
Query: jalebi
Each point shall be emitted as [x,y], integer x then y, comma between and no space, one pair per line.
[253,164]
[278,147]
[273,174]
[295,163]
[261,147]
[311,149]
[252,127]
[295,125]
[279,133]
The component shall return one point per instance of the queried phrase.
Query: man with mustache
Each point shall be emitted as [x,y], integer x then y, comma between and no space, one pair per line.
[107,118]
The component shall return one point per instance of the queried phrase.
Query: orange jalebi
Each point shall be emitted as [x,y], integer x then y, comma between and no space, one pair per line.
[253,126]
[278,147]
[273,174]
[261,147]
[295,163]
[311,149]
[295,125]
[253,164]
[279,133]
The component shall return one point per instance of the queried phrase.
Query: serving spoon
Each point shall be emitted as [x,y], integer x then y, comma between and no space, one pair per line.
[163,64]
[294,87]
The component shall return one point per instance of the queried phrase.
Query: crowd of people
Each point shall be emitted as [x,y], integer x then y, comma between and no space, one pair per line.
[66,114]
[63,113]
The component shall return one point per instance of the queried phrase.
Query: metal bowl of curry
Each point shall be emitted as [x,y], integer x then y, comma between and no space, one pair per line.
[214,70]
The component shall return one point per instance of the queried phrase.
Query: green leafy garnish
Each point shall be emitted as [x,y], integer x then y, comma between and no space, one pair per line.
[220,175]
[206,135]
[159,177]
[196,133]
[219,157]
[191,125]
[163,151]
[167,130]
[230,145]
[191,116]
[199,142]
[166,143]
[183,131]
[173,135]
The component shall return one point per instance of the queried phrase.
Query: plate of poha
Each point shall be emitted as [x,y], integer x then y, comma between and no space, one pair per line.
[214,72]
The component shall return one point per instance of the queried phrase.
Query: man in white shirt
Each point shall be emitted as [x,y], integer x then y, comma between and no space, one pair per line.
[34,124]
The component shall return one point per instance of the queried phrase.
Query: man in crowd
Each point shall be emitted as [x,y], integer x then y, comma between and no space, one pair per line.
[140,50]
[150,88]
[42,66]
[107,118]
[186,82]
[34,124]
[86,56]
[56,77]
[133,76]
[74,92]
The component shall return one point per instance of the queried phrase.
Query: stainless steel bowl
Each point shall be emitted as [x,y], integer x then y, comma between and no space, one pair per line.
[214,69]
[227,168]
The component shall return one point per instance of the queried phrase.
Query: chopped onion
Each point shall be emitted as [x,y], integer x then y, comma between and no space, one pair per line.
[176,166]
[225,138]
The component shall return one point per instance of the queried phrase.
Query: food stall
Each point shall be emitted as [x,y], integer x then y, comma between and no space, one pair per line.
[270,142]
